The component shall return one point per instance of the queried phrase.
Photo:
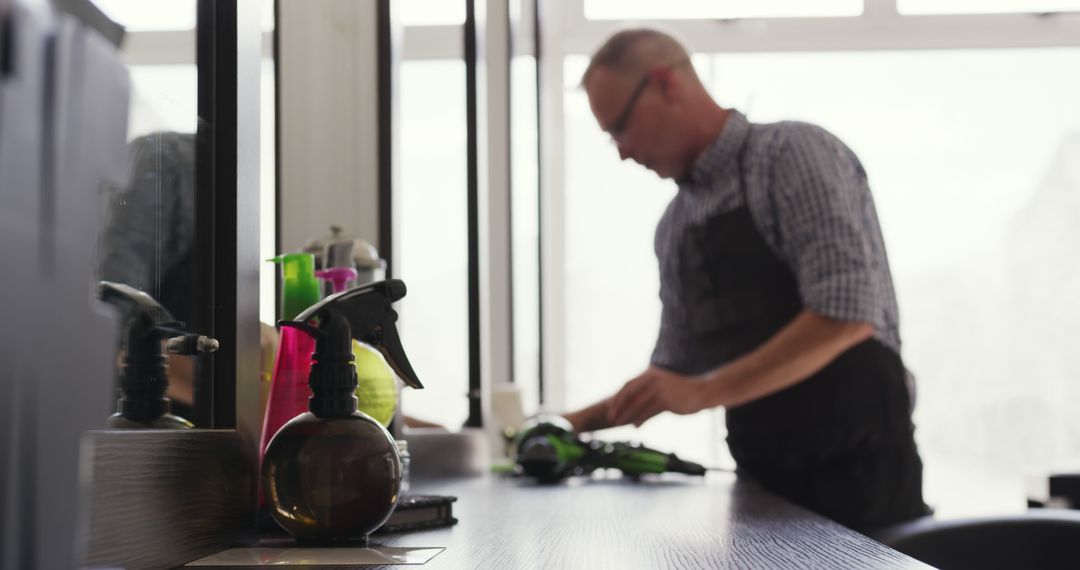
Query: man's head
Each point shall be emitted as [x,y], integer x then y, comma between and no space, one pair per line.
[644,92]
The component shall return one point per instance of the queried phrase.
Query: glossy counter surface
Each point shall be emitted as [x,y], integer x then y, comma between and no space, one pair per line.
[672,522]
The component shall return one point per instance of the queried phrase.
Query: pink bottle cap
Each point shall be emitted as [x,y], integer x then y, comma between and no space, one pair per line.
[338,276]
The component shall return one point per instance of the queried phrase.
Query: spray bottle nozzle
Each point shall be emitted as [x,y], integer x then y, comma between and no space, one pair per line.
[333,377]
[368,312]
[191,344]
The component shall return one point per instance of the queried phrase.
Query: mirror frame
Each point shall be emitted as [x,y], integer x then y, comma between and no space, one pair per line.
[226,289]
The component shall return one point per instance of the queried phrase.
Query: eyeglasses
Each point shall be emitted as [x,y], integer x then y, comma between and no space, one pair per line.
[617,128]
[619,125]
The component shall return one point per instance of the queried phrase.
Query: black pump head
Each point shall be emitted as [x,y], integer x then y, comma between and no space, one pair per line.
[143,381]
[370,317]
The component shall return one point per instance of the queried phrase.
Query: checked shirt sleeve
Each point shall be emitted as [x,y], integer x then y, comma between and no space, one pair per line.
[827,227]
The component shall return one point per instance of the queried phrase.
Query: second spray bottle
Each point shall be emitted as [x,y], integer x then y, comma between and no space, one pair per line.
[377,390]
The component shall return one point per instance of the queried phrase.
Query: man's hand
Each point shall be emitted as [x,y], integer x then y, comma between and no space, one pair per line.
[653,391]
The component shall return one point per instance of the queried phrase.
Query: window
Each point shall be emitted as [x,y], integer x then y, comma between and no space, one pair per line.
[971,157]
[687,9]
[974,211]
[431,12]
[433,228]
[267,193]
[432,220]
[984,6]
[140,15]
[526,231]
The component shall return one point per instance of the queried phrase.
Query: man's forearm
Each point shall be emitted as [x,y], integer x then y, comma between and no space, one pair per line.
[803,347]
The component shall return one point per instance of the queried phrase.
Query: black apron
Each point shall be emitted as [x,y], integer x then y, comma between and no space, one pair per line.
[841,442]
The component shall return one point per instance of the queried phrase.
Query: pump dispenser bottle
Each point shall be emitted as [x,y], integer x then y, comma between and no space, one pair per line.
[333,474]
[143,380]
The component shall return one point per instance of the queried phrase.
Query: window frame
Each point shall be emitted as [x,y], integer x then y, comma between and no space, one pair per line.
[225,49]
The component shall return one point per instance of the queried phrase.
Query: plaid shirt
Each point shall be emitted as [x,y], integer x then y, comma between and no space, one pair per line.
[808,197]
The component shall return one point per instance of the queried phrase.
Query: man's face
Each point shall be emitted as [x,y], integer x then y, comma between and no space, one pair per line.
[638,116]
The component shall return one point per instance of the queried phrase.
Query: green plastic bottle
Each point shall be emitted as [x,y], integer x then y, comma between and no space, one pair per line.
[299,287]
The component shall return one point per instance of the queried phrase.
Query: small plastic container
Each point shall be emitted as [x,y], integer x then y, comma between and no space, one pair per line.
[403,452]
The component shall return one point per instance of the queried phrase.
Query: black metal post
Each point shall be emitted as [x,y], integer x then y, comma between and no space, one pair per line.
[214,286]
[475,418]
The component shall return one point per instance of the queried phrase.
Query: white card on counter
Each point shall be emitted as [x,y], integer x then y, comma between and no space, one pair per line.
[330,556]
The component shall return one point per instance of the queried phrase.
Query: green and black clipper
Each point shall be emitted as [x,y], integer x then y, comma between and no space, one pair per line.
[549,450]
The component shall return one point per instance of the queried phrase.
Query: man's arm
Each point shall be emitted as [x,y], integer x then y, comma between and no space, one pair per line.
[804,346]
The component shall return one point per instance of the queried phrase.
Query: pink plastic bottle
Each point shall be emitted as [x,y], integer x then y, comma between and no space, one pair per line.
[289,384]
[288,389]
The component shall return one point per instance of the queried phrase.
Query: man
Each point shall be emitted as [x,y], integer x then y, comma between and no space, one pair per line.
[148,239]
[777,300]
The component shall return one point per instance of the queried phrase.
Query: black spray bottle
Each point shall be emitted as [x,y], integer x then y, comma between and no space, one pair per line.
[143,380]
[333,474]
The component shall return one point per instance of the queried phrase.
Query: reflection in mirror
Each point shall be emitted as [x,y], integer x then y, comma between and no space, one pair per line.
[149,230]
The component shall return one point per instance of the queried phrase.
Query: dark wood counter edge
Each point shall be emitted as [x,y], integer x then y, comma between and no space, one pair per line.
[161,498]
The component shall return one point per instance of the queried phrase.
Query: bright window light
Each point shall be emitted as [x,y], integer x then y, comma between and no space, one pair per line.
[433,250]
[431,12]
[984,6]
[718,9]
[143,15]
[526,230]
[972,158]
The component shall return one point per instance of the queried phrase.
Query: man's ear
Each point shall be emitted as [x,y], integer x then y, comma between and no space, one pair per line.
[664,78]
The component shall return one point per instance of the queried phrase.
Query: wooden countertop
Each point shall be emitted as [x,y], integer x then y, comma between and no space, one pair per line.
[672,522]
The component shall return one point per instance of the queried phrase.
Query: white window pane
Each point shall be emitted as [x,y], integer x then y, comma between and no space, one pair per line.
[431,12]
[687,9]
[138,15]
[267,192]
[971,157]
[267,178]
[984,6]
[266,15]
[526,231]
[434,248]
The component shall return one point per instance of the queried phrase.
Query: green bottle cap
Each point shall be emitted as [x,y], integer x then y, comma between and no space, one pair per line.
[299,288]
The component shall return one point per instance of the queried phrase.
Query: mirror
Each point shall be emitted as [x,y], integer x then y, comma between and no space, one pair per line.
[149,228]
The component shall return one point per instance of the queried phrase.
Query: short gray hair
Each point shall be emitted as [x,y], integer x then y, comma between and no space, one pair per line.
[632,52]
